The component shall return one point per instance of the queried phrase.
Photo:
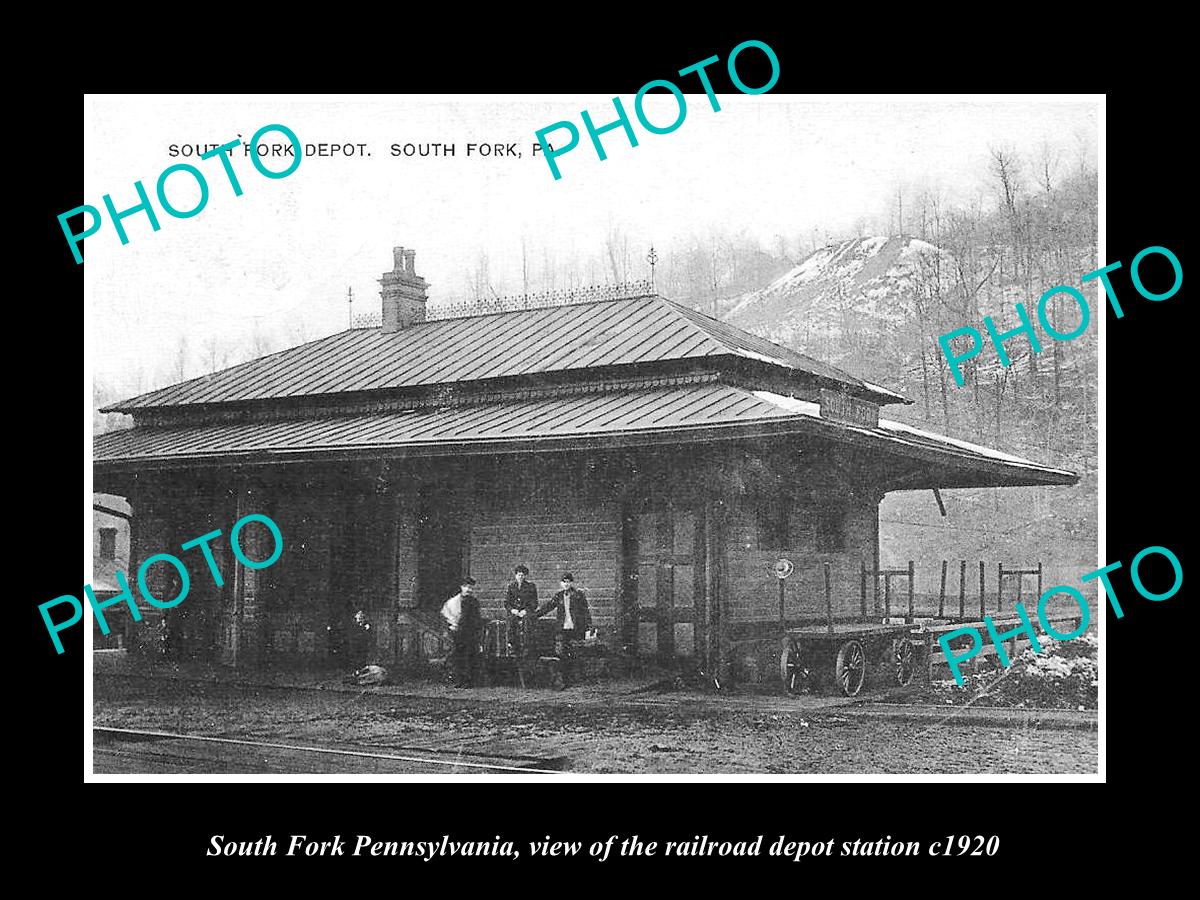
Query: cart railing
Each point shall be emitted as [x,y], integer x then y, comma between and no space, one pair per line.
[893,599]
[887,575]
[1002,572]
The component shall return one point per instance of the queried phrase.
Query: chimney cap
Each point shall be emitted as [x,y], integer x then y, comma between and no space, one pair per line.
[402,292]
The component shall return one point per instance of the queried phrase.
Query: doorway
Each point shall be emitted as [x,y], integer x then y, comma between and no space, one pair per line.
[442,549]
[663,609]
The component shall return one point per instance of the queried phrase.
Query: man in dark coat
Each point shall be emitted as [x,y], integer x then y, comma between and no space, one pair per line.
[463,618]
[521,601]
[574,618]
[361,640]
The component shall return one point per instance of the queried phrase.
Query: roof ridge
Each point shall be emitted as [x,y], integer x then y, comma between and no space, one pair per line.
[200,379]
[564,337]
[688,313]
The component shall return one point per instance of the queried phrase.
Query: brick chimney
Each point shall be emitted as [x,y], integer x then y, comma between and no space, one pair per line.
[403,292]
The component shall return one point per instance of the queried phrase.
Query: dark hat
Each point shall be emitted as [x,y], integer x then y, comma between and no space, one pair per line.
[567,576]
[522,568]
[467,579]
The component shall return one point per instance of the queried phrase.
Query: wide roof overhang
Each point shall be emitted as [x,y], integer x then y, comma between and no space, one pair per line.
[682,414]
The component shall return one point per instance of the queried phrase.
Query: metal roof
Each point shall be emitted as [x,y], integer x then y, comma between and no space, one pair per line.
[698,412]
[623,332]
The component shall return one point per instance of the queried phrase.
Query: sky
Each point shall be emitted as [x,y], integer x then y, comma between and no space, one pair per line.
[281,257]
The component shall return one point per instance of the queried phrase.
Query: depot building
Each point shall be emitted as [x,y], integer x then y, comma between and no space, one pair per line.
[665,458]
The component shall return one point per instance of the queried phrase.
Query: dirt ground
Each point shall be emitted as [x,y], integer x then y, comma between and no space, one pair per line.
[597,733]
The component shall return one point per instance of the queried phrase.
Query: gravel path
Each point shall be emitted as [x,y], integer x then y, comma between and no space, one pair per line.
[600,736]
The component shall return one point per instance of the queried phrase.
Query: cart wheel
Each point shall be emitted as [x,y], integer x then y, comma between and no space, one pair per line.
[851,668]
[906,661]
[794,675]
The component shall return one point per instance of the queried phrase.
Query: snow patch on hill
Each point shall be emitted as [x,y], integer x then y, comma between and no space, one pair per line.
[842,294]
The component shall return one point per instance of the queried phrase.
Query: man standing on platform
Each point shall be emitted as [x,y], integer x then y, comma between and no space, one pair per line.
[361,640]
[521,601]
[573,617]
[463,617]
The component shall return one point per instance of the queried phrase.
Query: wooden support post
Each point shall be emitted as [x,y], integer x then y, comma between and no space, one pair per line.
[664,594]
[1000,586]
[715,570]
[887,596]
[828,600]
[712,654]
[962,590]
[982,601]
[942,592]
[1039,581]
[862,614]
[700,591]
[394,574]
[782,612]
[145,539]
[875,579]
[911,579]
[246,583]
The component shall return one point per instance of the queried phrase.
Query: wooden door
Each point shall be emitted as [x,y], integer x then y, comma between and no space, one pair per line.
[664,582]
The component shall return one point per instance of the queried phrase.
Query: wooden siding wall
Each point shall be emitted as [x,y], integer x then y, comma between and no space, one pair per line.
[814,488]
[167,514]
[305,580]
[350,544]
[752,590]
[352,536]
[556,517]
[149,535]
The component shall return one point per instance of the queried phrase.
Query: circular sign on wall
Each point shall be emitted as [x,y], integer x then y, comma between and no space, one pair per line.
[783,568]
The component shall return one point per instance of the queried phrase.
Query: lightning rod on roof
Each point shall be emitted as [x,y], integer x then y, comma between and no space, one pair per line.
[350,303]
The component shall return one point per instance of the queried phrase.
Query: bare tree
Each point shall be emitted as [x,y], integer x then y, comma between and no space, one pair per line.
[549,270]
[216,353]
[524,268]
[781,250]
[297,330]
[261,343]
[614,244]
[1006,168]
[927,305]
[479,280]
[1049,158]
[179,363]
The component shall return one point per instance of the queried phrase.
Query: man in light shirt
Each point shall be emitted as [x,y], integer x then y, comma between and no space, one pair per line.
[463,618]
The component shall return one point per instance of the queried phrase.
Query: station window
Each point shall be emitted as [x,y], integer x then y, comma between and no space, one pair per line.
[108,543]
[831,529]
[773,522]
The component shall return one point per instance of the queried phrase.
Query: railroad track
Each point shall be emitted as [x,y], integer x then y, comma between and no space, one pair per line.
[130,750]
